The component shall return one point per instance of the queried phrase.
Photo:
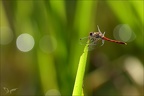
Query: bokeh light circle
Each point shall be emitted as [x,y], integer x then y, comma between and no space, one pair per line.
[53,92]
[6,35]
[47,44]
[25,42]
[123,32]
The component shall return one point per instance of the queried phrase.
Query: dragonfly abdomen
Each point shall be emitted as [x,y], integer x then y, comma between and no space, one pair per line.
[116,41]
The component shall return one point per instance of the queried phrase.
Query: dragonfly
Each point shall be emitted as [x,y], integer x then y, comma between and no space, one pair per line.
[94,37]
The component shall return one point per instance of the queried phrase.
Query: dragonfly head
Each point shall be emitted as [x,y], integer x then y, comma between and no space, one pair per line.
[95,34]
[91,33]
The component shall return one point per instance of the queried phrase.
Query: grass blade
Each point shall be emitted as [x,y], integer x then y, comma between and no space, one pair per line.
[80,73]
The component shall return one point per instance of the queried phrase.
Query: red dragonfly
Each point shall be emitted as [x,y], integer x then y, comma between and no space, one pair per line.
[96,36]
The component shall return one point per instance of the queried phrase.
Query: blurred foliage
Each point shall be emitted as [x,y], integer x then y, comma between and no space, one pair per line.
[56,26]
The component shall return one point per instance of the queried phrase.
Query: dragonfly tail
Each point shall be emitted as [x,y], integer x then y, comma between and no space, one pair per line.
[119,42]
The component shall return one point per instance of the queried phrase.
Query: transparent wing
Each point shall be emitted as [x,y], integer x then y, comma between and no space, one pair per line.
[92,42]
[84,40]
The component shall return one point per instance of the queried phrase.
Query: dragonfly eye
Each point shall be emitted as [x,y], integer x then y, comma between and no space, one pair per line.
[91,33]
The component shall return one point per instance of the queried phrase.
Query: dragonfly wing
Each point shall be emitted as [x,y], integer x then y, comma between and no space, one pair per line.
[84,41]
[92,44]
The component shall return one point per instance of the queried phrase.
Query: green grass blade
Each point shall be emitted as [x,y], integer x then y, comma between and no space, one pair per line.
[80,73]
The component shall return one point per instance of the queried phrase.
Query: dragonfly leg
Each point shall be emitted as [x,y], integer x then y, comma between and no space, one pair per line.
[98,28]
[92,40]
[102,42]
[103,34]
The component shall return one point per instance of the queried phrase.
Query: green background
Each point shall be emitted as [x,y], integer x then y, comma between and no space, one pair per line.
[44,72]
